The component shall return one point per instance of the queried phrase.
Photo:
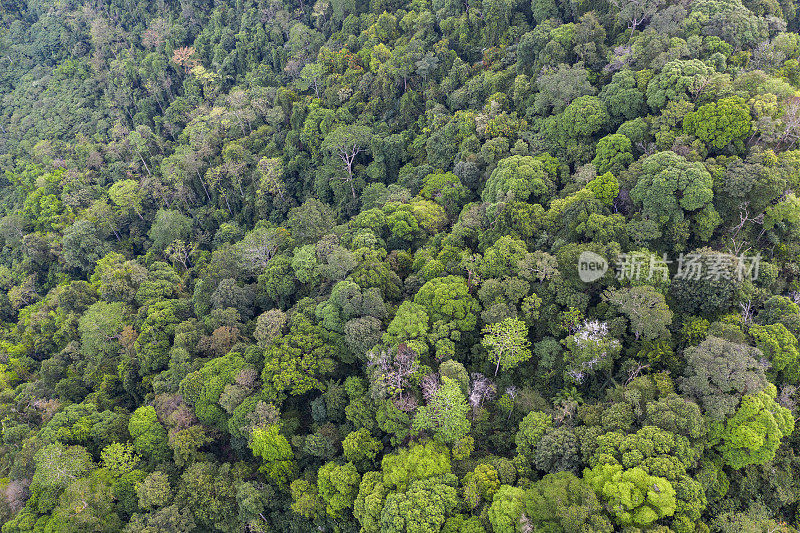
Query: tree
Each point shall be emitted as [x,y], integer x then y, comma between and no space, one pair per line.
[310,221]
[157,331]
[451,309]
[118,279]
[425,506]
[259,246]
[204,388]
[605,188]
[57,466]
[507,343]
[670,188]
[518,178]
[755,430]
[160,284]
[614,154]
[507,508]
[531,430]
[636,498]
[720,373]
[636,12]
[445,414]
[677,415]
[780,345]
[277,283]
[83,246]
[149,436]
[584,116]
[208,491]
[557,451]
[650,452]
[169,226]
[446,189]
[119,458]
[338,487]
[560,86]
[360,447]
[646,309]
[562,502]
[154,491]
[731,21]
[346,143]
[275,452]
[271,180]
[100,328]
[392,371]
[294,362]
[414,490]
[269,325]
[589,350]
[184,57]
[128,195]
[719,123]
[623,97]
[307,502]
[480,484]
[675,81]
[93,496]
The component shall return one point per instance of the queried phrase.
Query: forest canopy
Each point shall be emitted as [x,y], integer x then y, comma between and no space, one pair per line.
[490,266]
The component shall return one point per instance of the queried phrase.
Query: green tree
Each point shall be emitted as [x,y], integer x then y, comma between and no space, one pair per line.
[446,189]
[360,447]
[652,452]
[675,81]
[507,508]
[154,491]
[605,188]
[583,117]
[445,414]
[719,373]
[670,189]
[636,498]
[169,226]
[754,432]
[338,486]
[614,154]
[518,178]
[275,452]
[346,143]
[451,309]
[128,195]
[562,502]
[507,343]
[623,97]
[778,343]
[531,430]
[425,506]
[149,436]
[296,361]
[646,309]
[720,123]
[100,328]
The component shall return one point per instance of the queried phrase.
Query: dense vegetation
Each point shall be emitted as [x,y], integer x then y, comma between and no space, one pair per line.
[270,265]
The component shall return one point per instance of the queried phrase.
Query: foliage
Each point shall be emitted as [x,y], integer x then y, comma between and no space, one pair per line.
[755,430]
[258,260]
[507,343]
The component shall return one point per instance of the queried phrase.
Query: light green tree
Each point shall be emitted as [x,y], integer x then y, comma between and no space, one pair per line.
[507,343]
[338,487]
[445,414]
[275,452]
[754,432]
